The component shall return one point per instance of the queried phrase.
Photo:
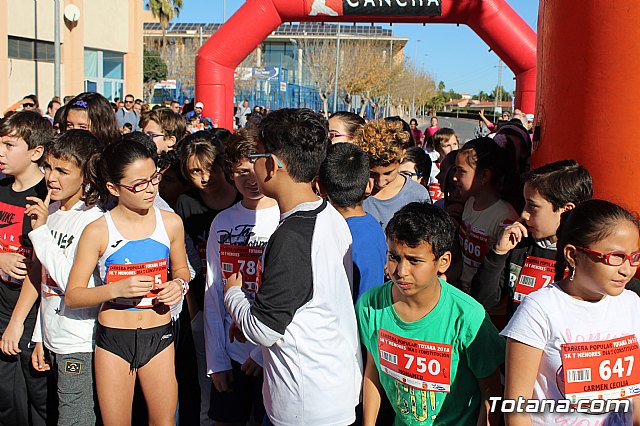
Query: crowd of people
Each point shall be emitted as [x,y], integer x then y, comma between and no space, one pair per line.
[155,268]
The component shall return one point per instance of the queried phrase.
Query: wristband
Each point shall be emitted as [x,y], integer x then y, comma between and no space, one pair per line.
[185,286]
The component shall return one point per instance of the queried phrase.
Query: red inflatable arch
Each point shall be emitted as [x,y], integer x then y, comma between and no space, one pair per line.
[493,20]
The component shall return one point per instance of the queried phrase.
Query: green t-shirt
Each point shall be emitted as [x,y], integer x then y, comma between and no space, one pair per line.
[419,353]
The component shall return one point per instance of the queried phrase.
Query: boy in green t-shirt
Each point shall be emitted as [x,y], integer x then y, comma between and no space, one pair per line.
[430,347]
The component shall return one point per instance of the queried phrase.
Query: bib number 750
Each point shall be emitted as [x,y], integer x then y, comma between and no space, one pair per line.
[433,366]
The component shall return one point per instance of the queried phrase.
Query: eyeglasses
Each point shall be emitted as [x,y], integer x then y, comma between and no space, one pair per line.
[615,258]
[410,174]
[334,134]
[141,186]
[128,102]
[28,105]
[153,135]
[253,157]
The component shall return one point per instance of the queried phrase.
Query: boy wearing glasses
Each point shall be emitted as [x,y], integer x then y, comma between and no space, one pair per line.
[165,127]
[302,315]
[523,258]
[237,239]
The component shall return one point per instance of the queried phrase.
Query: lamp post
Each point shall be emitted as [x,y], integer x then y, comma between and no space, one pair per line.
[413,98]
[295,71]
[388,109]
[335,88]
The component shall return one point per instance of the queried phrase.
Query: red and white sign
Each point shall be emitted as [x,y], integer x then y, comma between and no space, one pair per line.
[156,269]
[244,259]
[605,369]
[421,365]
[536,273]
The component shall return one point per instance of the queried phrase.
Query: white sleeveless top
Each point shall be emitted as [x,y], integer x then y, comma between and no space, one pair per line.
[124,258]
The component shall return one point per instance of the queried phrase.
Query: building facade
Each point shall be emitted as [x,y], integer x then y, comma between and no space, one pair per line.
[101,48]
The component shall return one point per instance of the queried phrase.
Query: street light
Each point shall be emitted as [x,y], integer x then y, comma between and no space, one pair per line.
[295,72]
[413,99]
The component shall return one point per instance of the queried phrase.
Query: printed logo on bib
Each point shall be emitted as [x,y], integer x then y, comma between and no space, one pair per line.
[536,273]
[435,192]
[605,369]
[244,259]
[421,365]
[156,269]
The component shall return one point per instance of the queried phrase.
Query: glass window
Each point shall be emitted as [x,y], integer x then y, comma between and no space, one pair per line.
[90,86]
[20,48]
[90,63]
[108,90]
[45,51]
[112,65]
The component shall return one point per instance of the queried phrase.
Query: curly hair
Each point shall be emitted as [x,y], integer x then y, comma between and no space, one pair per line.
[383,141]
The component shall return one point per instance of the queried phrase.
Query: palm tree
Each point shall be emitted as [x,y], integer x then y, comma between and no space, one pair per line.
[164,11]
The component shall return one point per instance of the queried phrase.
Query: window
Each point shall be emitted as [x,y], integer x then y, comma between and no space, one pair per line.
[29,49]
[104,72]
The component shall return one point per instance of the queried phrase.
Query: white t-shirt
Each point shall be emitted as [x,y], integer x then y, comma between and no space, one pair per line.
[478,232]
[549,318]
[63,330]
[235,227]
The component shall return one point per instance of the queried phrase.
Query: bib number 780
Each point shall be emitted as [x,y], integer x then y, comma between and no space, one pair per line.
[606,370]
[433,366]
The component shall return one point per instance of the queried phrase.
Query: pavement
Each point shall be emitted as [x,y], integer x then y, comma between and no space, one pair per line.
[464,127]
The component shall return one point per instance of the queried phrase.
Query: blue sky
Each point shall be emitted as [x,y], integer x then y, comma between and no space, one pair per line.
[455,55]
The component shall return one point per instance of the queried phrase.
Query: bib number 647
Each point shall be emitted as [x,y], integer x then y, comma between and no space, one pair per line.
[606,370]
[433,366]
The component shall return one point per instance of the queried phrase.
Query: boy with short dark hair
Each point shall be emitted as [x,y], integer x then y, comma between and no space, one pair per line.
[430,347]
[22,140]
[303,314]
[237,239]
[523,258]
[344,178]
[165,127]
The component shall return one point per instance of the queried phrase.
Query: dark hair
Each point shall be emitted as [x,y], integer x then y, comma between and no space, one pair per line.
[34,98]
[483,154]
[344,174]
[205,146]
[416,155]
[590,222]
[299,137]
[561,182]
[84,150]
[103,121]
[350,120]
[143,139]
[442,135]
[239,145]
[413,120]
[28,125]
[418,222]
[121,154]
[53,101]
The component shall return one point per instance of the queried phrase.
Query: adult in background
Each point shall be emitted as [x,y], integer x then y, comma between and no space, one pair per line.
[241,115]
[128,115]
[197,111]
[52,107]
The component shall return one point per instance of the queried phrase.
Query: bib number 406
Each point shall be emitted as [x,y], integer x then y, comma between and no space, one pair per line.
[606,370]
[433,366]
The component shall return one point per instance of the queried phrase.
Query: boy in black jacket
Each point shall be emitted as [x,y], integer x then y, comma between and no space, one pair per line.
[523,258]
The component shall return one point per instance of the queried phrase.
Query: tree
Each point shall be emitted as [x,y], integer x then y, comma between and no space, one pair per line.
[319,57]
[164,11]
[154,70]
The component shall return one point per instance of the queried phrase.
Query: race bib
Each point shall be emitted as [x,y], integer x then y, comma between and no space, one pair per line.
[156,269]
[475,245]
[244,259]
[602,370]
[10,247]
[421,365]
[535,274]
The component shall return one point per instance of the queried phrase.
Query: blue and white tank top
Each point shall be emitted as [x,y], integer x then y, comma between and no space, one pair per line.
[124,258]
